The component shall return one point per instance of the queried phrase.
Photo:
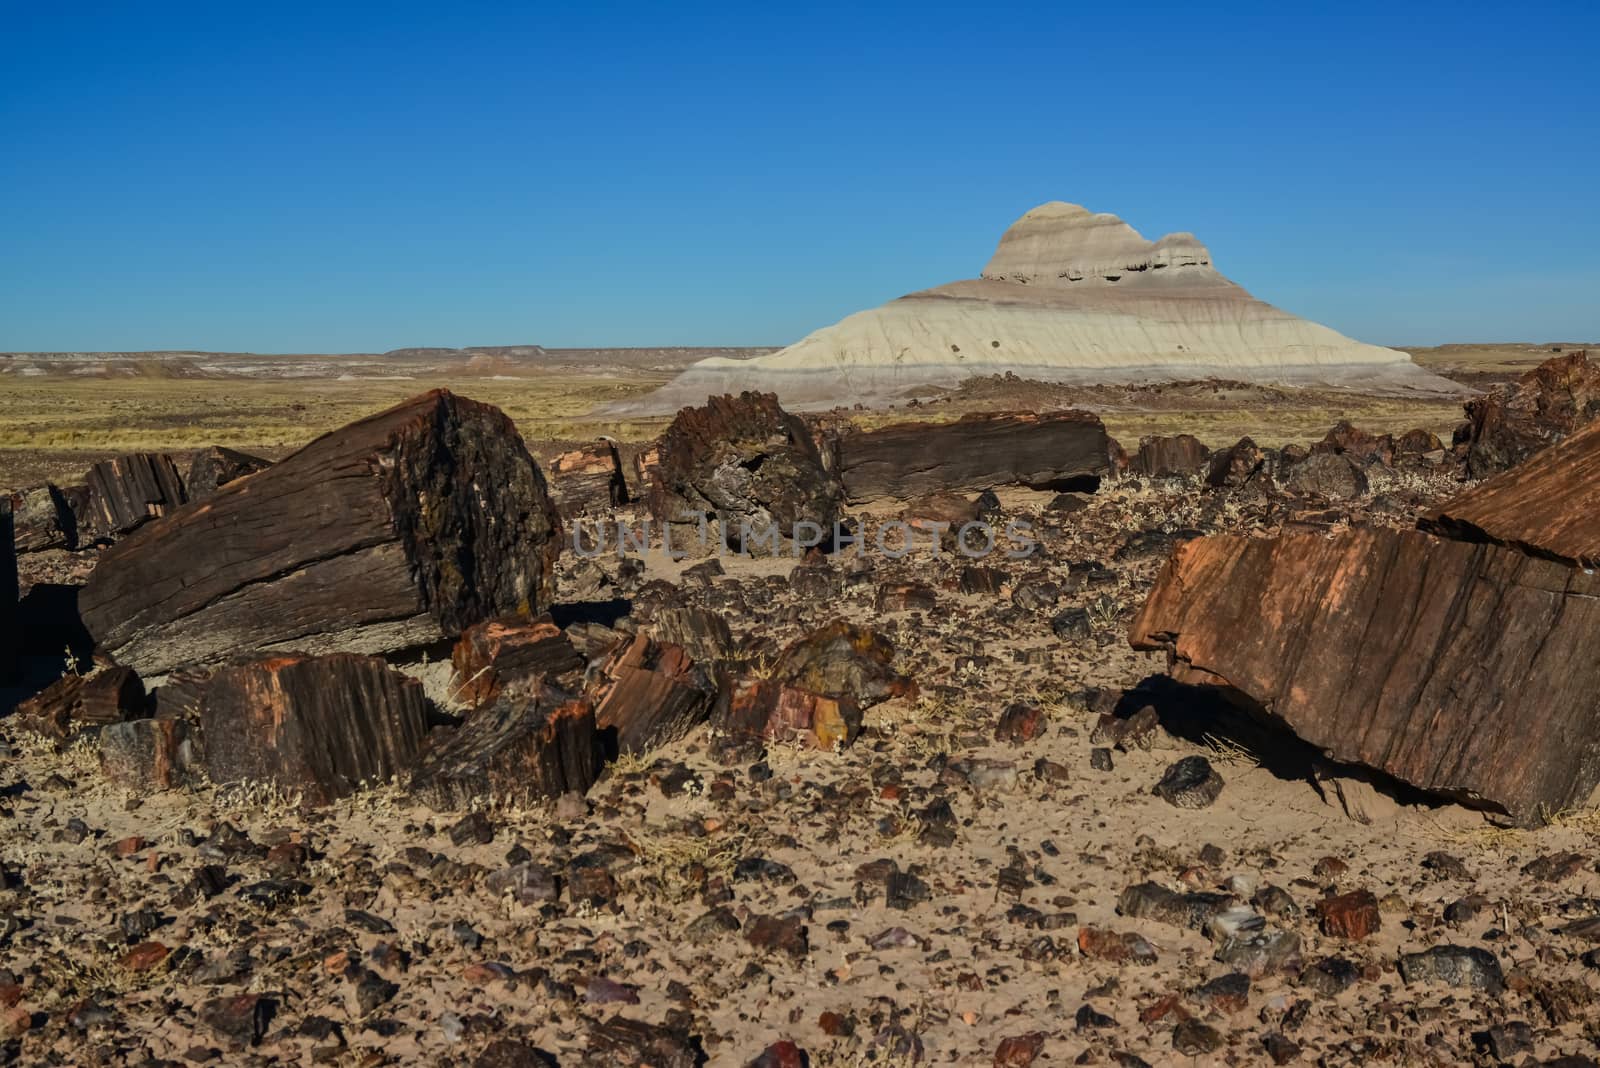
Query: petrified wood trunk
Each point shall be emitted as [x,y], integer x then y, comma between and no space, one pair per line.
[650,693]
[322,726]
[747,466]
[497,652]
[147,754]
[42,519]
[83,702]
[129,491]
[10,632]
[400,529]
[1163,457]
[1548,505]
[1467,670]
[517,751]
[1512,422]
[1053,450]
[589,479]
[215,467]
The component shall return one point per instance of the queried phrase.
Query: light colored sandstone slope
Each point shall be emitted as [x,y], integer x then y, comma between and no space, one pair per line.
[1069,296]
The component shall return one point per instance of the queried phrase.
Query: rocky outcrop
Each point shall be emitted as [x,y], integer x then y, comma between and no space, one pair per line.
[1511,423]
[745,469]
[1463,669]
[397,530]
[1070,296]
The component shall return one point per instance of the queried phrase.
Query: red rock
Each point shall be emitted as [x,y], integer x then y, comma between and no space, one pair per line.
[1462,669]
[1353,916]
[15,1022]
[1103,944]
[590,479]
[10,994]
[127,847]
[78,702]
[1019,1051]
[835,1025]
[1162,457]
[783,1054]
[144,956]
[650,693]
[1020,723]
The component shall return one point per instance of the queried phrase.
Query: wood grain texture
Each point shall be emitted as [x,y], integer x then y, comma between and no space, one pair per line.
[977,452]
[1464,669]
[402,528]
[499,652]
[323,726]
[517,751]
[1548,505]
[650,693]
[129,491]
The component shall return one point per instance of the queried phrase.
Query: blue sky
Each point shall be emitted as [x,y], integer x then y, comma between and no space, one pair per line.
[344,177]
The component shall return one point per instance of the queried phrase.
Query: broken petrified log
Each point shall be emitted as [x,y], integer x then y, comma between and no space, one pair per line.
[129,491]
[215,467]
[322,726]
[749,467]
[702,633]
[1547,505]
[400,529]
[517,751]
[1326,474]
[147,754]
[497,652]
[650,693]
[1463,669]
[76,703]
[589,479]
[1512,422]
[1054,450]
[1165,457]
[816,692]
[1361,446]
[42,518]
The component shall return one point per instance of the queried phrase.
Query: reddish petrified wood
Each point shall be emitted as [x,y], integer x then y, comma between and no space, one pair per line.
[397,530]
[497,652]
[1362,446]
[977,452]
[650,693]
[128,491]
[755,709]
[147,754]
[79,702]
[1509,424]
[1549,505]
[589,479]
[323,726]
[215,467]
[1161,457]
[748,466]
[516,751]
[1463,669]
[842,659]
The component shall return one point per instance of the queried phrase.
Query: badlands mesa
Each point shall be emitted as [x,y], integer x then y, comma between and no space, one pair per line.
[1070,296]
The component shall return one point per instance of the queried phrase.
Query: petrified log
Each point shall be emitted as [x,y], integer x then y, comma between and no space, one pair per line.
[323,726]
[749,467]
[1165,457]
[1240,464]
[516,751]
[1510,423]
[1362,446]
[42,519]
[129,491]
[1329,474]
[1055,450]
[397,530]
[842,659]
[215,467]
[650,693]
[84,702]
[147,754]
[702,634]
[1462,669]
[1547,505]
[10,632]
[589,479]
[180,693]
[499,652]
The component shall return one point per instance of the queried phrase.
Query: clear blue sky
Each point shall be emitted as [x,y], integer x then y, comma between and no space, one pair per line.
[337,177]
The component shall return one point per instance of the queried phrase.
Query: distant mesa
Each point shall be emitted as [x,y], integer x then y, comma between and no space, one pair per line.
[1070,296]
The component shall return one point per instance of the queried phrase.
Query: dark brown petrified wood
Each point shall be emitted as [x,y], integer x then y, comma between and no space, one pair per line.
[215,467]
[129,491]
[75,703]
[400,529]
[322,726]
[978,452]
[520,750]
[1463,669]
[490,655]
[650,693]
